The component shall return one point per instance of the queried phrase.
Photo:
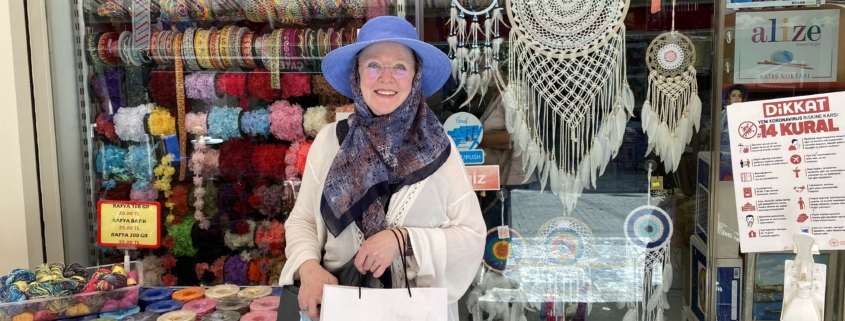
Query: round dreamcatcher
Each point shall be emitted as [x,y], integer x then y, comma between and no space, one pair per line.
[503,253]
[567,60]
[649,227]
[672,107]
[568,240]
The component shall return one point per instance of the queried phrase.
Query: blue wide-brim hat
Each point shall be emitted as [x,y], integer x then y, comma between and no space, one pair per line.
[338,64]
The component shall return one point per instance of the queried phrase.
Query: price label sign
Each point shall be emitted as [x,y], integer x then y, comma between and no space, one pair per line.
[126,224]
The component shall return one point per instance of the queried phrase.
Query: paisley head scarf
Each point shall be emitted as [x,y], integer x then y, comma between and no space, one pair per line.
[379,156]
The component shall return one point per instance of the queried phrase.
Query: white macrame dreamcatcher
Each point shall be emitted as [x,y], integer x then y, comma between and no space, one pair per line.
[568,99]
[648,230]
[672,107]
[474,64]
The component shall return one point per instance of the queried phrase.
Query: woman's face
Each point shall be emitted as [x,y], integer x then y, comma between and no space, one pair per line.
[735,96]
[387,74]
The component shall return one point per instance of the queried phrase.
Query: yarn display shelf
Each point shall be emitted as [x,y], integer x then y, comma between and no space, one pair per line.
[127,296]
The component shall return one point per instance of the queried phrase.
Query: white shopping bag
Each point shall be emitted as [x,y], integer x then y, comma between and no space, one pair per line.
[341,303]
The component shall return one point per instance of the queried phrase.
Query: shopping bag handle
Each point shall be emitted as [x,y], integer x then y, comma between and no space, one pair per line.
[402,250]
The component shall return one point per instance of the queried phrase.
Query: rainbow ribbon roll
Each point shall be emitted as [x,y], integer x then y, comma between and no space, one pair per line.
[255,292]
[142,316]
[189,294]
[201,307]
[260,316]
[154,295]
[120,314]
[222,316]
[181,315]
[223,291]
[162,307]
[267,303]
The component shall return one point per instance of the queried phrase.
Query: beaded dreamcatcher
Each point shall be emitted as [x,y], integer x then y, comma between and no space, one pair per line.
[474,64]
[672,107]
[568,100]
[648,230]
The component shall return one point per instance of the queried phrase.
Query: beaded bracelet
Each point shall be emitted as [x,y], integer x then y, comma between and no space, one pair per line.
[180,103]
[201,48]
[214,48]
[246,49]
[223,43]
[188,50]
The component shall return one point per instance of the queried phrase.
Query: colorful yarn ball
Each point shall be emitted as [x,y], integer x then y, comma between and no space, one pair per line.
[269,160]
[236,270]
[106,280]
[181,315]
[196,123]
[223,291]
[223,123]
[258,84]
[165,306]
[110,160]
[121,314]
[260,316]
[267,303]
[189,294]
[200,85]
[270,237]
[232,84]
[104,125]
[256,122]
[142,316]
[295,85]
[77,310]
[286,121]
[140,161]
[236,159]
[24,316]
[129,123]
[163,87]
[222,316]
[161,123]
[314,120]
[45,315]
[201,307]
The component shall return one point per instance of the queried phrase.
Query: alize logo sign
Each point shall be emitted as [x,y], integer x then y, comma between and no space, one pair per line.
[786,33]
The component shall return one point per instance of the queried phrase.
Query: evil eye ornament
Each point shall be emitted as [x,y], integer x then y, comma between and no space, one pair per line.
[649,227]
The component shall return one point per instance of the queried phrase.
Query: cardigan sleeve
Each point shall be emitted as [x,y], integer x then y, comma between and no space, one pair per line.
[449,256]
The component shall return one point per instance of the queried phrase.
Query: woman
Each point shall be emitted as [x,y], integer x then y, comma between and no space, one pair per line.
[395,170]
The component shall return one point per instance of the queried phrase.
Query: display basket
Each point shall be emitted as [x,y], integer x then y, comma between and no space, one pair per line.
[52,308]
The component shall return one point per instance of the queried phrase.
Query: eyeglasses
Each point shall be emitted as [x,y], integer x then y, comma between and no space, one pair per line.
[375,70]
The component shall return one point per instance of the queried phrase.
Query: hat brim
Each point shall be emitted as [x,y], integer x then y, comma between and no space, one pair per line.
[436,67]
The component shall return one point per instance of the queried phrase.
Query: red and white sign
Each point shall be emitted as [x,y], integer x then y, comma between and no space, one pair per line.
[484,177]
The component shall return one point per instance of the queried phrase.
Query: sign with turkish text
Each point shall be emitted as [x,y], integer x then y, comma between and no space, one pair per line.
[742,4]
[484,177]
[791,173]
[466,131]
[786,46]
[125,224]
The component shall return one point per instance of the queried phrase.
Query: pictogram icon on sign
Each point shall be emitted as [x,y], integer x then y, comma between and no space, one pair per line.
[795,159]
[747,130]
[833,242]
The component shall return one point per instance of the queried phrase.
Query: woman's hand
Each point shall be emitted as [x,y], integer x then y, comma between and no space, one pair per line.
[313,277]
[378,252]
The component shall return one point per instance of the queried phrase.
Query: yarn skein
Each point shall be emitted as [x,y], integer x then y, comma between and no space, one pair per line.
[260,316]
[238,305]
[165,306]
[267,303]
[222,291]
[104,319]
[181,315]
[201,307]
[222,316]
[255,292]
[154,295]
[142,316]
[120,314]
[189,294]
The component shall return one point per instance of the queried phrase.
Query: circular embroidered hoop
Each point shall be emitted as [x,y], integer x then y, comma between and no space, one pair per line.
[671,54]
[568,240]
[501,254]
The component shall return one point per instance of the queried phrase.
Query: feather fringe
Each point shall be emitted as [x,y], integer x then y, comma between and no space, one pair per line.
[670,115]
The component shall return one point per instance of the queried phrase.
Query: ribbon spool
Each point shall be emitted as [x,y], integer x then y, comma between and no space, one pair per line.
[181,315]
[267,303]
[120,314]
[142,316]
[222,291]
[165,306]
[260,316]
[239,305]
[255,292]
[201,307]
[154,295]
[189,294]
[222,316]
